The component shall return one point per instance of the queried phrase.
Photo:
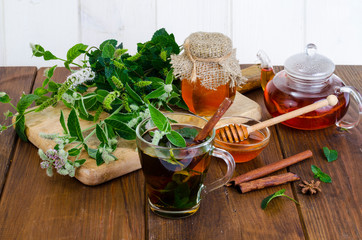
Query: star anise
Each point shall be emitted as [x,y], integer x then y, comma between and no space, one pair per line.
[311,188]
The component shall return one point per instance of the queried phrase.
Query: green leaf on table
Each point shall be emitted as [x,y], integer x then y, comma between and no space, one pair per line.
[101,134]
[4,98]
[330,154]
[279,193]
[20,127]
[318,173]
[74,126]
[176,139]
[62,122]
[159,119]
[25,101]
[75,51]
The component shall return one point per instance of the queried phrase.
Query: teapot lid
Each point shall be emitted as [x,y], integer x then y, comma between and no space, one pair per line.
[309,65]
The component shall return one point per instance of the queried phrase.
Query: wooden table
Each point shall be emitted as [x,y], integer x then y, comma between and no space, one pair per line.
[34,206]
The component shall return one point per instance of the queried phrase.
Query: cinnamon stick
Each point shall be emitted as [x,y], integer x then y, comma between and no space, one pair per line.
[224,106]
[273,167]
[267,182]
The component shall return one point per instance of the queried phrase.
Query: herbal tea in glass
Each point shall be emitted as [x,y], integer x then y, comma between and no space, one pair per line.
[175,170]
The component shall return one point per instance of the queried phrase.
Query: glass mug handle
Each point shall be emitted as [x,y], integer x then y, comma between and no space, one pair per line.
[230,163]
[357,96]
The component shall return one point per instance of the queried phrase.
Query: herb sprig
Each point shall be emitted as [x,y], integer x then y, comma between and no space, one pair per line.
[110,80]
[279,193]
[318,173]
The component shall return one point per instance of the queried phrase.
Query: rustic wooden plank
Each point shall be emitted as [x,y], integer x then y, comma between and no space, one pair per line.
[24,78]
[336,212]
[34,206]
[227,214]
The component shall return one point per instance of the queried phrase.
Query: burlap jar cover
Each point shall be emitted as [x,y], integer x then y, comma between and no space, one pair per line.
[210,58]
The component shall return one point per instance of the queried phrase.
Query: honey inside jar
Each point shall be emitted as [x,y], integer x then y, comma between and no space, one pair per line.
[203,101]
[247,149]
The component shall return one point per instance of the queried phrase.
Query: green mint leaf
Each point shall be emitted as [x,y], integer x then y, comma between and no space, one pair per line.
[20,127]
[8,114]
[330,154]
[91,152]
[4,98]
[318,173]
[176,139]
[108,51]
[49,56]
[279,193]
[38,51]
[25,101]
[74,126]
[156,93]
[266,200]
[158,118]
[169,78]
[99,159]
[101,135]
[75,52]
[62,122]
[121,129]
[74,151]
[49,72]
[112,42]
[188,132]
[133,94]
[40,91]
[79,162]
[53,87]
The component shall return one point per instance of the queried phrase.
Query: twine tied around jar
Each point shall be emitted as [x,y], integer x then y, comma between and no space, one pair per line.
[209,57]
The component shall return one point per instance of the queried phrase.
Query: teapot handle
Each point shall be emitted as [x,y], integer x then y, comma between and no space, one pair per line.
[357,97]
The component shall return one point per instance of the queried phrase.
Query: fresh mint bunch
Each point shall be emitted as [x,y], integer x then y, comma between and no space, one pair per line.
[106,79]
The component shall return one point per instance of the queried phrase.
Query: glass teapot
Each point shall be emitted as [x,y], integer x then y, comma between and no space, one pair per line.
[307,78]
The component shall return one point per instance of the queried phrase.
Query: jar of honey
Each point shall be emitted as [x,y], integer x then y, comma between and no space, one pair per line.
[208,70]
[307,78]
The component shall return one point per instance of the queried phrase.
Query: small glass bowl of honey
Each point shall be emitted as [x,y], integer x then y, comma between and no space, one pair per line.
[243,150]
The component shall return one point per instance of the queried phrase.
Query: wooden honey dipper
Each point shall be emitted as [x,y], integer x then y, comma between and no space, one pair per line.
[235,133]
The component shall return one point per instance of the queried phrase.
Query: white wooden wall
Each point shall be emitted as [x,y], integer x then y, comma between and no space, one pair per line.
[280,27]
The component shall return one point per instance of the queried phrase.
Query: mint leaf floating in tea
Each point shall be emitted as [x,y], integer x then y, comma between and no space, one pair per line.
[279,193]
[321,175]
[330,154]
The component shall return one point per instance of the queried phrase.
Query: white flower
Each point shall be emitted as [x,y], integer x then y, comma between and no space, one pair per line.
[133,107]
[132,122]
[168,88]
[68,98]
[81,76]
[2,94]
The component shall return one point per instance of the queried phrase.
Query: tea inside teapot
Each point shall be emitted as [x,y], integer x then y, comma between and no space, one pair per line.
[307,78]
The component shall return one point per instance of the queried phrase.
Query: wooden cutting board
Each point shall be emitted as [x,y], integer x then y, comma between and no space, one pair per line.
[89,173]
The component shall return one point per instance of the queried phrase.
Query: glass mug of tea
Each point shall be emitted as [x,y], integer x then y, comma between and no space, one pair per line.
[175,176]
